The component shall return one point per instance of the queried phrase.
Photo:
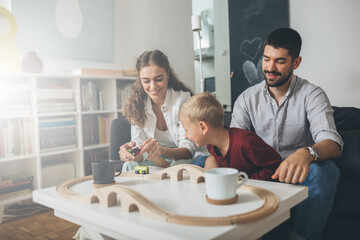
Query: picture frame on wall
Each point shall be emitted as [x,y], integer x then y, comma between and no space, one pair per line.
[78,29]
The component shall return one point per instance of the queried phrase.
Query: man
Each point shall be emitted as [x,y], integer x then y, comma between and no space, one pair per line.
[294,117]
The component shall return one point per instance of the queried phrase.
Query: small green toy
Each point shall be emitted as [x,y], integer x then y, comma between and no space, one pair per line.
[141,169]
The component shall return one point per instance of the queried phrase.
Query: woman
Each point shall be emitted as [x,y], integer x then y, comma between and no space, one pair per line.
[152,109]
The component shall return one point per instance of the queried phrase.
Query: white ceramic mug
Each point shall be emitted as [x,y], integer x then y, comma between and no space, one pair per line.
[222,183]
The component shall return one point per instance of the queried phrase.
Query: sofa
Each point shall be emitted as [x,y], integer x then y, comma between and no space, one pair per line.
[344,220]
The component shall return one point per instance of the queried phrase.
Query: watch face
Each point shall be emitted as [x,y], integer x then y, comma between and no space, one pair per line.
[313,152]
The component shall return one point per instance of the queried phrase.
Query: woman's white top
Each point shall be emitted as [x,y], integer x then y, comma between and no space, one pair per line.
[164,138]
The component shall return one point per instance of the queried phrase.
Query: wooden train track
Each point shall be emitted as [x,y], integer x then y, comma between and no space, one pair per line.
[131,200]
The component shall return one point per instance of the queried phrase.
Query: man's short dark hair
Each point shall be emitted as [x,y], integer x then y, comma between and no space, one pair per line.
[285,38]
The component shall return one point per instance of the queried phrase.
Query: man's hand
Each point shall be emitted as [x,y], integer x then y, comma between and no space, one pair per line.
[295,168]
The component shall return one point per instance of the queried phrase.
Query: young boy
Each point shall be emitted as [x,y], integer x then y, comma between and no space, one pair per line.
[202,117]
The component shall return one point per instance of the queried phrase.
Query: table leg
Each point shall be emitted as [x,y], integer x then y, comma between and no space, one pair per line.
[93,235]
[2,208]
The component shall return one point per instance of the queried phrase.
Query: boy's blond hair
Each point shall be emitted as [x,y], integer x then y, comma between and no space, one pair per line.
[203,107]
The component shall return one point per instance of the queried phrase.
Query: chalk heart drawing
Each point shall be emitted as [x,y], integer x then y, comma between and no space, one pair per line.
[251,48]
[253,73]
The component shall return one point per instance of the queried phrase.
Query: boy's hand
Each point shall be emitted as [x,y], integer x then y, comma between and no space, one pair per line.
[210,162]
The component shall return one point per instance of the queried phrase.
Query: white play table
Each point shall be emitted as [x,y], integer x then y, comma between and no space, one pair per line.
[182,197]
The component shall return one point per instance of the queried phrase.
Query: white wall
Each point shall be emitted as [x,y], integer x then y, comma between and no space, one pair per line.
[142,25]
[208,64]
[219,66]
[330,30]
[157,24]
[222,56]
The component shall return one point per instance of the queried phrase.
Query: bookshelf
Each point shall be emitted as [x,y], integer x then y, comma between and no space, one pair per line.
[53,126]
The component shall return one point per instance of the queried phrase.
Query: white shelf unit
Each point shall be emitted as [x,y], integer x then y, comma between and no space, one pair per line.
[51,111]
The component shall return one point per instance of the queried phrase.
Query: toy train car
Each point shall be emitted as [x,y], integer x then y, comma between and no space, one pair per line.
[141,169]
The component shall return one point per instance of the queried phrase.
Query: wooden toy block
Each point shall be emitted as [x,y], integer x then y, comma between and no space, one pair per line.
[176,173]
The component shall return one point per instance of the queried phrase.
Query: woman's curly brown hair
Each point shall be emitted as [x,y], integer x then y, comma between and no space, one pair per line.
[133,110]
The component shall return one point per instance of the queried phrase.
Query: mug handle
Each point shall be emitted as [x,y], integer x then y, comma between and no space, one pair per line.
[244,179]
[117,162]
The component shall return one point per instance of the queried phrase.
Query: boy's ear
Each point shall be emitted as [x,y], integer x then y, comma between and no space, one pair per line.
[204,127]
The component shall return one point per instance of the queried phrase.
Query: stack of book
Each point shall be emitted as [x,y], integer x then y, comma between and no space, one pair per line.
[92,97]
[16,137]
[123,93]
[96,130]
[55,96]
[57,133]
[15,185]
[15,98]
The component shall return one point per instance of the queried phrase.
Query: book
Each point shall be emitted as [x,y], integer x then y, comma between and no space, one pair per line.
[28,134]
[60,148]
[15,182]
[56,119]
[15,97]
[15,137]
[101,100]
[90,130]
[55,96]
[97,72]
[15,194]
[17,187]
[6,185]
[57,137]
[13,179]
[56,124]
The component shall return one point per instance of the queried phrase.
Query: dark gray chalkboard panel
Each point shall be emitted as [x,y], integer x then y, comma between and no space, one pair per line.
[250,21]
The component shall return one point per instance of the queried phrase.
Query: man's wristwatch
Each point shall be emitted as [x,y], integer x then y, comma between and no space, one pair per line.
[314,153]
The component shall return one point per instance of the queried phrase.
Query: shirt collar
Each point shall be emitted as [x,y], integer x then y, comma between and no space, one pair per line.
[168,99]
[293,82]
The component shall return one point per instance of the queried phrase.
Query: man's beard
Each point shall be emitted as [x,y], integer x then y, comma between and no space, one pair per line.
[281,81]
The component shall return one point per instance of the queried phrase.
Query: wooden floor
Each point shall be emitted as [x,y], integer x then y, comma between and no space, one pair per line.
[40,226]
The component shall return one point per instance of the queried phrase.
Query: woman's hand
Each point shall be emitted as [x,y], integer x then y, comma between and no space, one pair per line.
[151,146]
[124,154]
